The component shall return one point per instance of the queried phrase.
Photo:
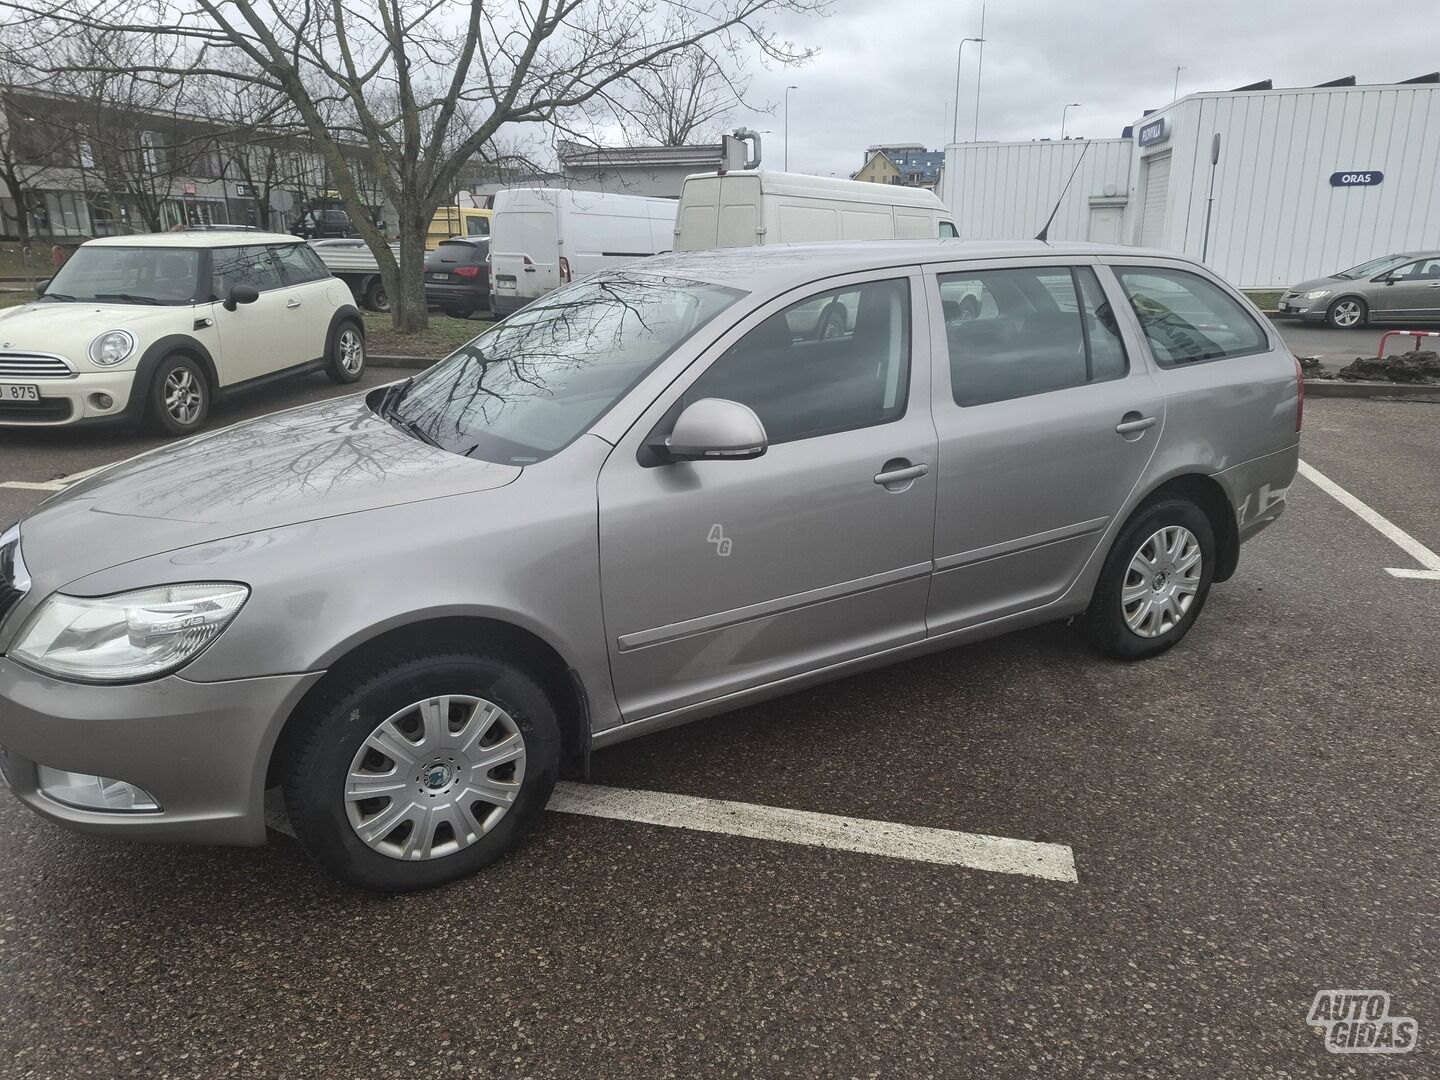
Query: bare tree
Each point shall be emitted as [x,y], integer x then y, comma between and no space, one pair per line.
[686,97]
[421,86]
[19,171]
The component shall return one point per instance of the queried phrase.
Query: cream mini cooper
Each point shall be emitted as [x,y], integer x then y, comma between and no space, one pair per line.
[156,327]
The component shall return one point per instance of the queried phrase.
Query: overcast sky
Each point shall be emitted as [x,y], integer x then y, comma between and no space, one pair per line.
[886,68]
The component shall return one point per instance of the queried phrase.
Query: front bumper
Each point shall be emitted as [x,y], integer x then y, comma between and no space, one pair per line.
[201,749]
[69,401]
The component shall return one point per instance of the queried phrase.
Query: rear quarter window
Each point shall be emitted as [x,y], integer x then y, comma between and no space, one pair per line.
[1188,319]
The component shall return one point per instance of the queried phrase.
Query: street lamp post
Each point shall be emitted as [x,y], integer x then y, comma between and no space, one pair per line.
[960,52]
[1072,105]
[787,125]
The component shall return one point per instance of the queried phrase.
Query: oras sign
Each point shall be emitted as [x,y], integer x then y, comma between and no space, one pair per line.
[1357,178]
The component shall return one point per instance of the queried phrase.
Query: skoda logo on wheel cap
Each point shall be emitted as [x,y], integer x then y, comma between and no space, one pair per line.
[437,776]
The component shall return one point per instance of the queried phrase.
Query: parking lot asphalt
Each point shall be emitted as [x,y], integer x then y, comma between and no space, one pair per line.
[1252,817]
[1338,347]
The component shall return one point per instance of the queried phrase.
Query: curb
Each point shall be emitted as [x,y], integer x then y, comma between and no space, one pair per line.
[1337,388]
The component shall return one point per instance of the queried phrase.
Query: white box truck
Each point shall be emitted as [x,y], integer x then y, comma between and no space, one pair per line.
[541,238]
[746,207]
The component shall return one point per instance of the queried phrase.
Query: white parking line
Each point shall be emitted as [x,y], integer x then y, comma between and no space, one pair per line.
[998,854]
[1386,528]
[59,484]
[975,851]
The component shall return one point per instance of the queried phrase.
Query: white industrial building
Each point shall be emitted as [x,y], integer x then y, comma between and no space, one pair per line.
[1309,180]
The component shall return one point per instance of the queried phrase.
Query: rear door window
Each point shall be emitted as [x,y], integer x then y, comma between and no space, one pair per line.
[1188,319]
[299,264]
[1028,330]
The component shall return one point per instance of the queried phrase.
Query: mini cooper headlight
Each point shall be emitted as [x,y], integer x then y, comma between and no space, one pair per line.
[1317,294]
[133,635]
[112,347]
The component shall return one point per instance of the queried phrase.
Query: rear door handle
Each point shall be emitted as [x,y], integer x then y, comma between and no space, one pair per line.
[292,303]
[1129,427]
[899,476]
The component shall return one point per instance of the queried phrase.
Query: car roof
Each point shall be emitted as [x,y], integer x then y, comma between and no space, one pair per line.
[198,238]
[775,266]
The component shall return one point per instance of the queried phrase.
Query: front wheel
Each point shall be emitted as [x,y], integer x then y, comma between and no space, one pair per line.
[1154,582]
[422,773]
[179,397]
[376,298]
[1347,313]
[347,355]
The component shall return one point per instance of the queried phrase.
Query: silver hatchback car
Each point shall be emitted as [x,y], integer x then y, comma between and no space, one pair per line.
[643,500]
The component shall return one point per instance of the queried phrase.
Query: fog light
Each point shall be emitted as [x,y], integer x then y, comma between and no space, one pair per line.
[89,792]
[101,401]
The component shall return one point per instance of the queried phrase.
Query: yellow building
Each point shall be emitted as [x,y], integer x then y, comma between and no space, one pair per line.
[878,169]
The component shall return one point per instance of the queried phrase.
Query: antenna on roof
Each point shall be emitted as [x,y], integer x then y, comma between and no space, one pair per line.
[1044,232]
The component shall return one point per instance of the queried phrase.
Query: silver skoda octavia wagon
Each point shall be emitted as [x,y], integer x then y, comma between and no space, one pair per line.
[654,496]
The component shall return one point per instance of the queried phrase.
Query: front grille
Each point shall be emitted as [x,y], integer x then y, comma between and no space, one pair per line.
[46,410]
[34,366]
[10,593]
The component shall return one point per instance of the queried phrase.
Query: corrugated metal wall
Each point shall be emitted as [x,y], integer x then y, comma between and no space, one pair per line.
[1008,189]
[1277,219]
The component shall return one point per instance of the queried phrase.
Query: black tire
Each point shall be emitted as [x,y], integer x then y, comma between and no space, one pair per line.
[178,398]
[1338,314]
[833,323]
[969,308]
[376,298]
[316,759]
[1104,622]
[347,354]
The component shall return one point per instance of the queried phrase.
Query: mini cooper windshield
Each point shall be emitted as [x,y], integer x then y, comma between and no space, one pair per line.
[530,386]
[126,275]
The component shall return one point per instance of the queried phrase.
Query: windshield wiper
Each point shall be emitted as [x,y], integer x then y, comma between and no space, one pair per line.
[64,298]
[414,429]
[394,394]
[126,298]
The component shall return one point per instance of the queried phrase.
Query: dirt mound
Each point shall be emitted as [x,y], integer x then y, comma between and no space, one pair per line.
[1411,367]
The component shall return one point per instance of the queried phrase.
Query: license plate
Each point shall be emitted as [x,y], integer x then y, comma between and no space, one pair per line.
[504,281]
[17,392]
[1284,306]
[437,277]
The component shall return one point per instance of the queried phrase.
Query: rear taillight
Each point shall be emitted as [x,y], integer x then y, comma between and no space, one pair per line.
[467,271]
[1299,394]
[564,268]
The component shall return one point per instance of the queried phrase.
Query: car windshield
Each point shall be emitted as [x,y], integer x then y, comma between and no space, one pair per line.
[1371,268]
[534,383]
[126,275]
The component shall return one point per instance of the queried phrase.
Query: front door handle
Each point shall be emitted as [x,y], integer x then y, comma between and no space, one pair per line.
[1139,423]
[292,303]
[900,476]
[1433,285]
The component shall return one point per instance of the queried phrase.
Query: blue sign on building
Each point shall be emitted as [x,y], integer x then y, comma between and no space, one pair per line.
[1356,178]
[1153,133]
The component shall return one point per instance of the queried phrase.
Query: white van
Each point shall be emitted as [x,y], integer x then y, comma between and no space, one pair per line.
[540,238]
[743,208]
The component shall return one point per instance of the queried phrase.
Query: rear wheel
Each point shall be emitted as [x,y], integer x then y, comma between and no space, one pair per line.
[422,773]
[969,308]
[1154,582]
[1347,313]
[376,298]
[179,396]
[458,312]
[832,323]
[347,354]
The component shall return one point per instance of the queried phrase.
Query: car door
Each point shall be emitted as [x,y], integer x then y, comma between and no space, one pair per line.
[722,575]
[307,285]
[1413,292]
[1046,420]
[258,338]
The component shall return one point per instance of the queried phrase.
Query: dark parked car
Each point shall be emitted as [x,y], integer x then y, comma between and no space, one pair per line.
[324,225]
[456,279]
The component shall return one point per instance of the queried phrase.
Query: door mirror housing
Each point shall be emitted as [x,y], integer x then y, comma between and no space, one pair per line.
[241,294]
[716,428]
[41,286]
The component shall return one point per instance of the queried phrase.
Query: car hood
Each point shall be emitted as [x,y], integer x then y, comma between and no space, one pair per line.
[1324,283]
[68,329]
[317,461]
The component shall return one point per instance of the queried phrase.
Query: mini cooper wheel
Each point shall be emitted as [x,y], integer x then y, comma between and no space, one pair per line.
[1154,582]
[347,354]
[969,309]
[423,773]
[179,397]
[1347,313]
[833,323]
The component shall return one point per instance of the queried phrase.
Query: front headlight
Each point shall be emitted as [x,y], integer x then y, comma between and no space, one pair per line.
[1317,294]
[112,347]
[128,636]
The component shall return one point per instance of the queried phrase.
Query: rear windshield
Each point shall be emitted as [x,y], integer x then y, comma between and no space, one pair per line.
[460,254]
[534,383]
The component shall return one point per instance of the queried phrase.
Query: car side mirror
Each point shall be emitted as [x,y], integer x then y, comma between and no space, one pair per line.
[241,294]
[41,286]
[714,428]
